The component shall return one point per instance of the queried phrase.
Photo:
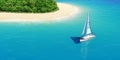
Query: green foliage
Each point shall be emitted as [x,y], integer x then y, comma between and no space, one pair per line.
[34,6]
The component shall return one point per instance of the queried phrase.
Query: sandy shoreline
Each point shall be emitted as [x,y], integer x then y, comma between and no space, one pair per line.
[66,11]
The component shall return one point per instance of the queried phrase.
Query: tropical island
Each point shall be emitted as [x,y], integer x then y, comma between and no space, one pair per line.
[35,10]
[34,6]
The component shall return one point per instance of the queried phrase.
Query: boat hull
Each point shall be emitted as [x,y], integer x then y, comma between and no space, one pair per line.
[87,37]
[82,39]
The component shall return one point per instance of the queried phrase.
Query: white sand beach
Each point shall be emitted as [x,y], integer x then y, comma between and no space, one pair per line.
[65,11]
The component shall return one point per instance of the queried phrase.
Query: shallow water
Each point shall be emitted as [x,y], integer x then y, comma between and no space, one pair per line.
[51,41]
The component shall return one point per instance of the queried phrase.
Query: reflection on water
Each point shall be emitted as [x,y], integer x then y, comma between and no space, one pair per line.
[84,50]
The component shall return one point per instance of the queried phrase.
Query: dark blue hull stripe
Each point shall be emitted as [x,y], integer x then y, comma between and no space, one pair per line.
[76,39]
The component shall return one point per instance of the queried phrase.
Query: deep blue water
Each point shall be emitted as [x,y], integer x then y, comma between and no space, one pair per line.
[51,41]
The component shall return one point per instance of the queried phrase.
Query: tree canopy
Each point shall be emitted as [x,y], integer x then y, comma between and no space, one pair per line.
[33,6]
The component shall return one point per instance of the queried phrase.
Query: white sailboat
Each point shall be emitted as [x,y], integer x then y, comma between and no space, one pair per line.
[86,34]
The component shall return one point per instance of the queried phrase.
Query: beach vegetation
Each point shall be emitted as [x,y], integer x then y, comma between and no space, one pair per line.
[32,6]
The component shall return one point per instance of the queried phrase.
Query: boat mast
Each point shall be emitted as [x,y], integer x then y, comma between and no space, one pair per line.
[84,29]
[88,31]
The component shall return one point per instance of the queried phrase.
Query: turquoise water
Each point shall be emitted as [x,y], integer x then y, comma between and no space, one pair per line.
[51,41]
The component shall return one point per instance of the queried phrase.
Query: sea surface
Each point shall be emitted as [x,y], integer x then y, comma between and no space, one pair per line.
[51,41]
